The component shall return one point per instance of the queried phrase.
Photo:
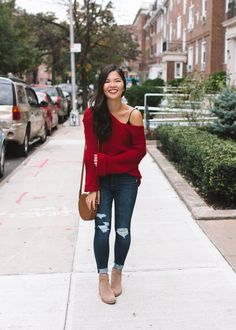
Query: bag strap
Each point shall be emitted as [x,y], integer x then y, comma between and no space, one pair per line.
[82,175]
[82,170]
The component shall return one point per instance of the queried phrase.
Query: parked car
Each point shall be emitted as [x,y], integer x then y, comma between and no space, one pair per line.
[50,109]
[2,152]
[58,98]
[68,96]
[21,118]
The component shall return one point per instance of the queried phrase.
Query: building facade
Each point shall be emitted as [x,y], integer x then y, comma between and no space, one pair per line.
[230,41]
[184,37]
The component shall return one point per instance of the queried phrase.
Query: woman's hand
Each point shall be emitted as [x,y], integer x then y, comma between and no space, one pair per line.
[93,199]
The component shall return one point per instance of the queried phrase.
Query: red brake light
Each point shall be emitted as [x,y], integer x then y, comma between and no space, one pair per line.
[16,113]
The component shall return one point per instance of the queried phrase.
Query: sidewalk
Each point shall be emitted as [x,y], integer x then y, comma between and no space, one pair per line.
[174,279]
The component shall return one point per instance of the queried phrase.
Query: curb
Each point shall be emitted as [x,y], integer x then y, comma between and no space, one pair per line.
[195,204]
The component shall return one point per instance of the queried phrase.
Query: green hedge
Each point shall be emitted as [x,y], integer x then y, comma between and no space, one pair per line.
[135,95]
[207,161]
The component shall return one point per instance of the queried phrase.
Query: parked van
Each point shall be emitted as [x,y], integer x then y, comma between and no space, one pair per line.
[21,118]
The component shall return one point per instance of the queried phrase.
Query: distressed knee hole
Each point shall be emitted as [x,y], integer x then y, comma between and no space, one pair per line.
[105,227]
[101,215]
[123,232]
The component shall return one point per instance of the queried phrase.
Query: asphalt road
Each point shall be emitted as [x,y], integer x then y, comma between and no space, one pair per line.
[12,160]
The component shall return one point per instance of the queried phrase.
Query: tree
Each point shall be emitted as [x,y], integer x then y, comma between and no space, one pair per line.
[53,43]
[17,43]
[102,41]
[225,110]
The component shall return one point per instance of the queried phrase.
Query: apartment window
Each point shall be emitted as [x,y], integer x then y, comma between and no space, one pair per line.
[159,24]
[191,18]
[196,52]
[204,10]
[184,41]
[226,50]
[203,55]
[227,5]
[204,7]
[178,70]
[179,25]
[171,31]
[164,28]
[190,59]
[159,47]
[184,7]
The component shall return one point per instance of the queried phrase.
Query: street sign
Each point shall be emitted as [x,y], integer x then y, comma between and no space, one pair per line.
[75,48]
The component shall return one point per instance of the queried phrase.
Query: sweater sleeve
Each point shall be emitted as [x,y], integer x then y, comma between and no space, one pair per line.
[127,160]
[91,178]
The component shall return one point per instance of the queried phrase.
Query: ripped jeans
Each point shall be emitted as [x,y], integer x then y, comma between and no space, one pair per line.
[122,188]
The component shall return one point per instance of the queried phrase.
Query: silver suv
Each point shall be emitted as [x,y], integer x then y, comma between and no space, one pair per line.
[21,118]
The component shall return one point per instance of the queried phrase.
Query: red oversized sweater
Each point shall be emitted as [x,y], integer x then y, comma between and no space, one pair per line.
[120,153]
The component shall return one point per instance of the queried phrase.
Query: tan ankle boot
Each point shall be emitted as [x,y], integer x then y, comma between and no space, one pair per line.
[116,281]
[105,290]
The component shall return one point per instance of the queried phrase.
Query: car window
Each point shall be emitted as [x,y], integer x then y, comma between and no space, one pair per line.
[32,98]
[50,90]
[41,96]
[50,101]
[59,91]
[6,94]
[20,92]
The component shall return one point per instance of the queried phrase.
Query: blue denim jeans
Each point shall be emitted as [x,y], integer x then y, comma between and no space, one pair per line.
[122,189]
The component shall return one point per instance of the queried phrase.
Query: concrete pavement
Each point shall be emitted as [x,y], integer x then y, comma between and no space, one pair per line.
[174,278]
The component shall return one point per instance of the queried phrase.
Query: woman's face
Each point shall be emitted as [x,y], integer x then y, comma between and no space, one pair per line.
[113,86]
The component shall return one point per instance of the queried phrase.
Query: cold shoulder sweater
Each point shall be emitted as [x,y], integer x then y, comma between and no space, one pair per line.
[120,153]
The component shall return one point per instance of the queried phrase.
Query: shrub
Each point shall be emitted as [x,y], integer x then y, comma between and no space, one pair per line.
[224,108]
[154,82]
[208,161]
[176,82]
[135,95]
[215,82]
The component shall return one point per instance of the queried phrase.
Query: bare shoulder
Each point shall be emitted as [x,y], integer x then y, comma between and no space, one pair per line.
[136,117]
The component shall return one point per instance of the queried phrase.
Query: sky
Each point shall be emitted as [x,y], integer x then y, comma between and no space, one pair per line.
[124,10]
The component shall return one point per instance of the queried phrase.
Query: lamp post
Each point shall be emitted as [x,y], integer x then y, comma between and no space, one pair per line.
[73,50]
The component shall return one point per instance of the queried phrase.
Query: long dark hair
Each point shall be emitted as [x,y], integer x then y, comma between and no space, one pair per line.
[101,117]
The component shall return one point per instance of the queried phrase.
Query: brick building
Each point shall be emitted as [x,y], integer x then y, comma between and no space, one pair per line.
[139,22]
[183,37]
[230,38]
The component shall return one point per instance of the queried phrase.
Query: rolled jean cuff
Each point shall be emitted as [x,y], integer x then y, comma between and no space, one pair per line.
[103,271]
[119,267]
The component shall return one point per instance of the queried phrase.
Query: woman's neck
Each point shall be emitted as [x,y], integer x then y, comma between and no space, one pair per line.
[114,106]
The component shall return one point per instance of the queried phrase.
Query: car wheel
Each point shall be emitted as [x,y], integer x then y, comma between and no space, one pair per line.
[61,119]
[24,147]
[43,138]
[2,160]
[49,131]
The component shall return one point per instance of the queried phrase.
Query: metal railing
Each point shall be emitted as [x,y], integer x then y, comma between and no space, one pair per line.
[179,110]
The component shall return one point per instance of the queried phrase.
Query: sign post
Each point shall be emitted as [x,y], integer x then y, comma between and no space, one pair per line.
[74,48]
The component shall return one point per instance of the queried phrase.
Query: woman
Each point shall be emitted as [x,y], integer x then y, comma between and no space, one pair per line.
[115,145]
